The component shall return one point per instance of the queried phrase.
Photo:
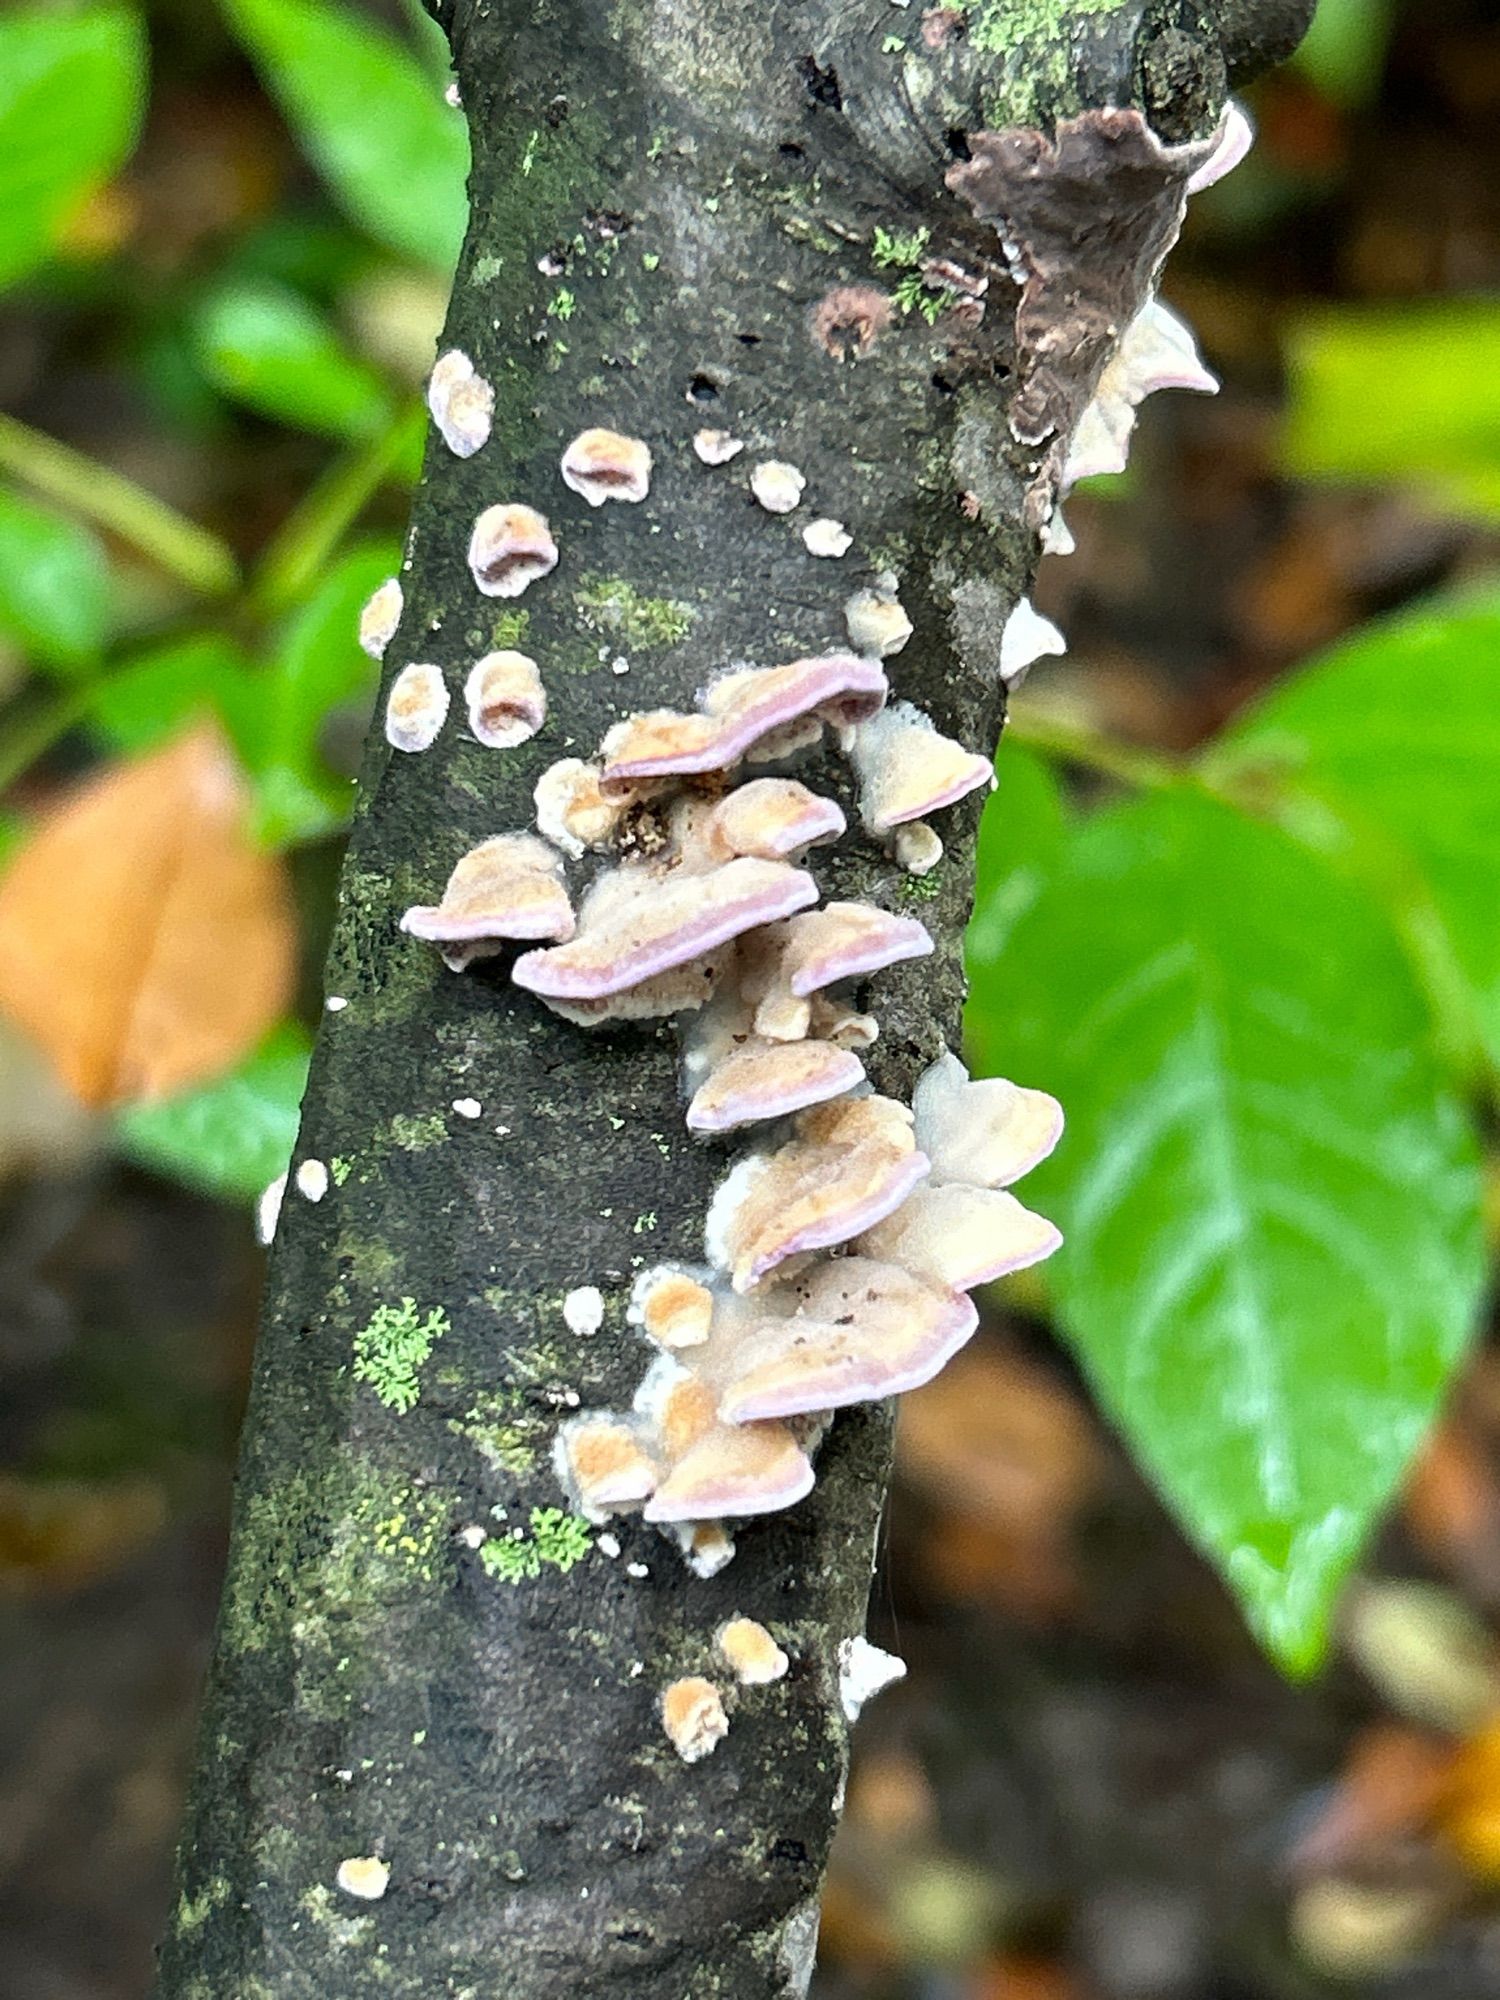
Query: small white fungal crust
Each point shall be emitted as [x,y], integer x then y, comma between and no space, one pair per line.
[511,547]
[608,1545]
[312,1180]
[692,1714]
[777,486]
[417,707]
[380,617]
[717,447]
[1057,536]
[751,1652]
[583,1310]
[572,809]
[603,465]
[505,698]
[365,1876]
[268,1211]
[335,1004]
[877,622]
[451,96]
[467,1107]
[1027,638]
[462,403]
[864,1670]
[917,848]
[1156,351]
[827,538]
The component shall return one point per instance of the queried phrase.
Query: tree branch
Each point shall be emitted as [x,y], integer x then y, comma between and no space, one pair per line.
[666,203]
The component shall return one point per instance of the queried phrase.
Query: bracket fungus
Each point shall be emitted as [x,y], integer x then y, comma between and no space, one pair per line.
[416,707]
[462,403]
[693,1716]
[778,486]
[510,886]
[506,701]
[380,617]
[751,1651]
[602,465]
[511,547]
[1027,638]
[907,768]
[1156,351]
[759,1080]
[827,538]
[877,622]
[716,447]
[573,810]
[674,1308]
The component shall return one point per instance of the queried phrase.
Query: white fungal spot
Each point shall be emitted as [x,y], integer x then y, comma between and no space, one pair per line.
[777,486]
[473,1536]
[827,538]
[608,1545]
[864,1670]
[451,97]
[511,547]
[692,1714]
[312,1180]
[467,1107]
[602,465]
[717,447]
[335,1004]
[416,707]
[365,1876]
[583,1309]
[1027,638]
[637,1570]
[268,1211]
[380,617]
[877,622]
[462,403]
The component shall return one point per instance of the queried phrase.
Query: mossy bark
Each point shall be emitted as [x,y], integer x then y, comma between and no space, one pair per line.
[663,196]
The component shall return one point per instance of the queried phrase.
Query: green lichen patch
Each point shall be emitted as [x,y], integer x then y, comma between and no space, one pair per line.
[391,1351]
[613,606]
[418,1132]
[508,632]
[504,1435]
[556,1541]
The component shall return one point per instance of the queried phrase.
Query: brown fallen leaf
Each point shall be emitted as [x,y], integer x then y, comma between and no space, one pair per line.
[145,943]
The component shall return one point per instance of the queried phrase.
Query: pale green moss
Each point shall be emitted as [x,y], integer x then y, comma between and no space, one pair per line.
[506,1438]
[508,633]
[616,607]
[556,1541]
[899,249]
[391,1351]
[416,1134]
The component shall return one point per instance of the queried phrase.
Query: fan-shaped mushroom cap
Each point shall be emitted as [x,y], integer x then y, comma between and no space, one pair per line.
[851,1163]
[777,486]
[638,921]
[602,465]
[462,403]
[1156,351]
[1232,141]
[761,1079]
[737,710]
[775,818]
[506,700]
[511,546]
[839,941]
[877,623]
[717,447]
[672,1306]
[416,707]
[986,1133]
[507,887]
[956,1237]
[379,618]
[1027,638]
[572,809]
[907,768]
[734,1469]
[603,1465]
[863,1329]
[682,989]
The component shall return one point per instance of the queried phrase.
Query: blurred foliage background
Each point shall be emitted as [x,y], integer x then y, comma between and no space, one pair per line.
[1236,907]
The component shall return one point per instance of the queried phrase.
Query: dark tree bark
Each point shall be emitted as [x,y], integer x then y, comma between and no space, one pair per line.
[663,197]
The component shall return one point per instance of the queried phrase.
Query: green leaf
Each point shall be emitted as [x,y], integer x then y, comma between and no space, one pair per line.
[152,696]
[235,1136]
[1407,393]
[317,667]
[370,117]
[1344,49]
[265,347]
[1020,837]
[1270,1199]
[54,584]
[1395,735]
[72,89]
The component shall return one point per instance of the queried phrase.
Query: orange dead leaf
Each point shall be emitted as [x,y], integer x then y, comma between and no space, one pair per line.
[145,943]
[1470,1812]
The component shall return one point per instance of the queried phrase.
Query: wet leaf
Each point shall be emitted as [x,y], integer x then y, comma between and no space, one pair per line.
[234,1136]
[72,88]
[145,942]
[370,116]
[54,584]
[1270,1198]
